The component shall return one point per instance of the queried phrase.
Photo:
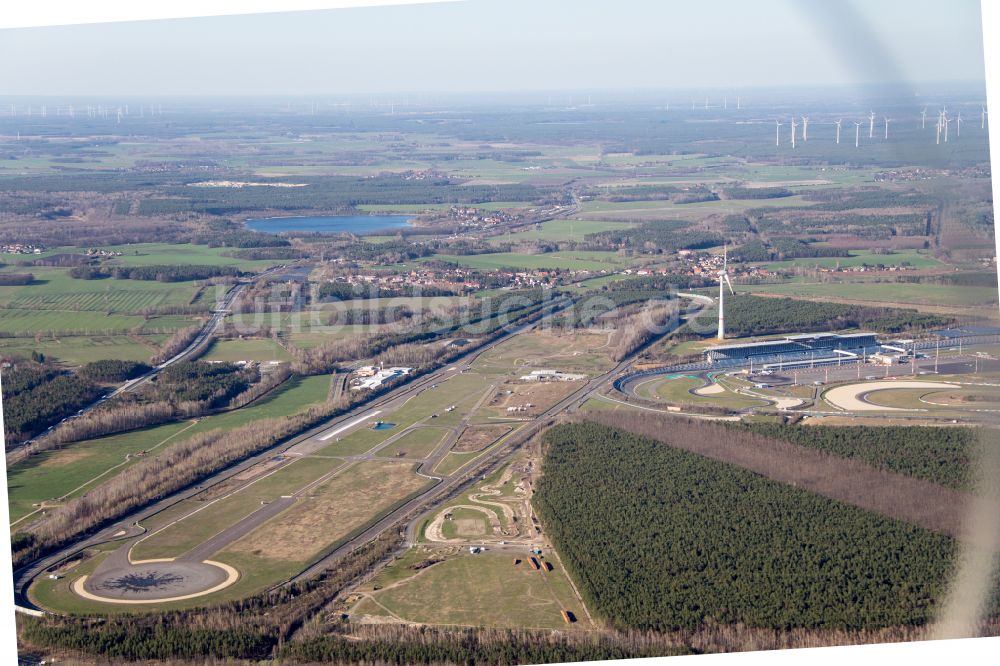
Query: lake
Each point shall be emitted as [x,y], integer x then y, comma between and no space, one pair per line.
[329,224]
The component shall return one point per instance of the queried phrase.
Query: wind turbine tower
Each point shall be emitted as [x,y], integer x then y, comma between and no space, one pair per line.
[983,121]
[857,134]
[723,283]
[946,120]
[887,128]
[923,119]
[958,125]
[837,123]
[794,126]
[739,104]
[937,141]
[777,132]
[805,128]
[871,125]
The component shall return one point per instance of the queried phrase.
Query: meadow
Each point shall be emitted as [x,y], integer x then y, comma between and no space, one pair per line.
[69,471]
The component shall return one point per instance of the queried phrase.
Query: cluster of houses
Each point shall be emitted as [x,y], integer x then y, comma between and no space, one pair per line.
[100,252]
[20,248]
[477,218]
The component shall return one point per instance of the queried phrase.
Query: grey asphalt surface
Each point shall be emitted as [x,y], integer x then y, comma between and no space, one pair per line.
[308,442]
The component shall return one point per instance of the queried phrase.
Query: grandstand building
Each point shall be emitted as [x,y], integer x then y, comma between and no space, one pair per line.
[806,345]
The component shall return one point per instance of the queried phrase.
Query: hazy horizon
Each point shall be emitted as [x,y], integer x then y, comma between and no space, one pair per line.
[488,47]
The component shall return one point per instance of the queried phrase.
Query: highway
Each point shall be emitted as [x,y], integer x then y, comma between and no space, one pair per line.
[126,528]
[207,330]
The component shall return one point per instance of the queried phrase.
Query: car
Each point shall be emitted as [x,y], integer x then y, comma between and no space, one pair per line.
[871,377]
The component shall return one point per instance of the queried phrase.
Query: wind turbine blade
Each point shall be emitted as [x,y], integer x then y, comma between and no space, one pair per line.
[729,284]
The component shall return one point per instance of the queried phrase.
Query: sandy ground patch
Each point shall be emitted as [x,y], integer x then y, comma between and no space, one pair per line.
[711,389]
[64,457]
[477,438]
[346,502]
[849,397]
[787,403]
[540,395]
[469,527]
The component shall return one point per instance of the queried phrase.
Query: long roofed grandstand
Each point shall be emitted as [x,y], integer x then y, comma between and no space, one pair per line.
[806,343]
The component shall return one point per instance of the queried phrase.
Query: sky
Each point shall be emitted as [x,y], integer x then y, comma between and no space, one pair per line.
[506,45]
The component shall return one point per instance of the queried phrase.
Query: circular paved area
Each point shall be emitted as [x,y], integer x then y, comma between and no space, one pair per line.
[852,396]
[154,581]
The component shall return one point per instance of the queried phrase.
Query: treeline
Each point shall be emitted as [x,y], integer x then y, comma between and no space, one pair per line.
[639,329]
[656,237]
[196,381]
[427,645]
[37,396]
[174,273]
[130,413]
[267,253]
[175,344]
[779,249]
[757,192]
[110,371]
[239,238]
[866,197]
[619,509]
[174,468]
[342,291]
[940,455]
[756,315]
[369,317]
[16,279]
[389,252]
[483,320]
[331,193]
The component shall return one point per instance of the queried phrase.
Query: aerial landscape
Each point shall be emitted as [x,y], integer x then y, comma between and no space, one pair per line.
[534,377]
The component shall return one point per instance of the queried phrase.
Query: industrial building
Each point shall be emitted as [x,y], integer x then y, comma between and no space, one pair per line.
[551,376]
[805,346]
[381,376]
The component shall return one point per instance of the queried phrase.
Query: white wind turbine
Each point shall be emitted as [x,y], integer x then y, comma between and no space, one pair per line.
[946,121]
[887,128]
[777,132]
[805,128]
[794,126]
[958,125]
[837,123]
[923,119]
[724,282]
[857,134]
[871,125]
[937,140]
[983,121]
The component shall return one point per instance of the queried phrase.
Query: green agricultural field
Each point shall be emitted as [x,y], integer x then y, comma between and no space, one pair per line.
[246,350]
[77,350]
[561,230]
[148,254]
[912,258]
[54,289]
[70,470]
[28,322]
[480,590]
[887,293]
